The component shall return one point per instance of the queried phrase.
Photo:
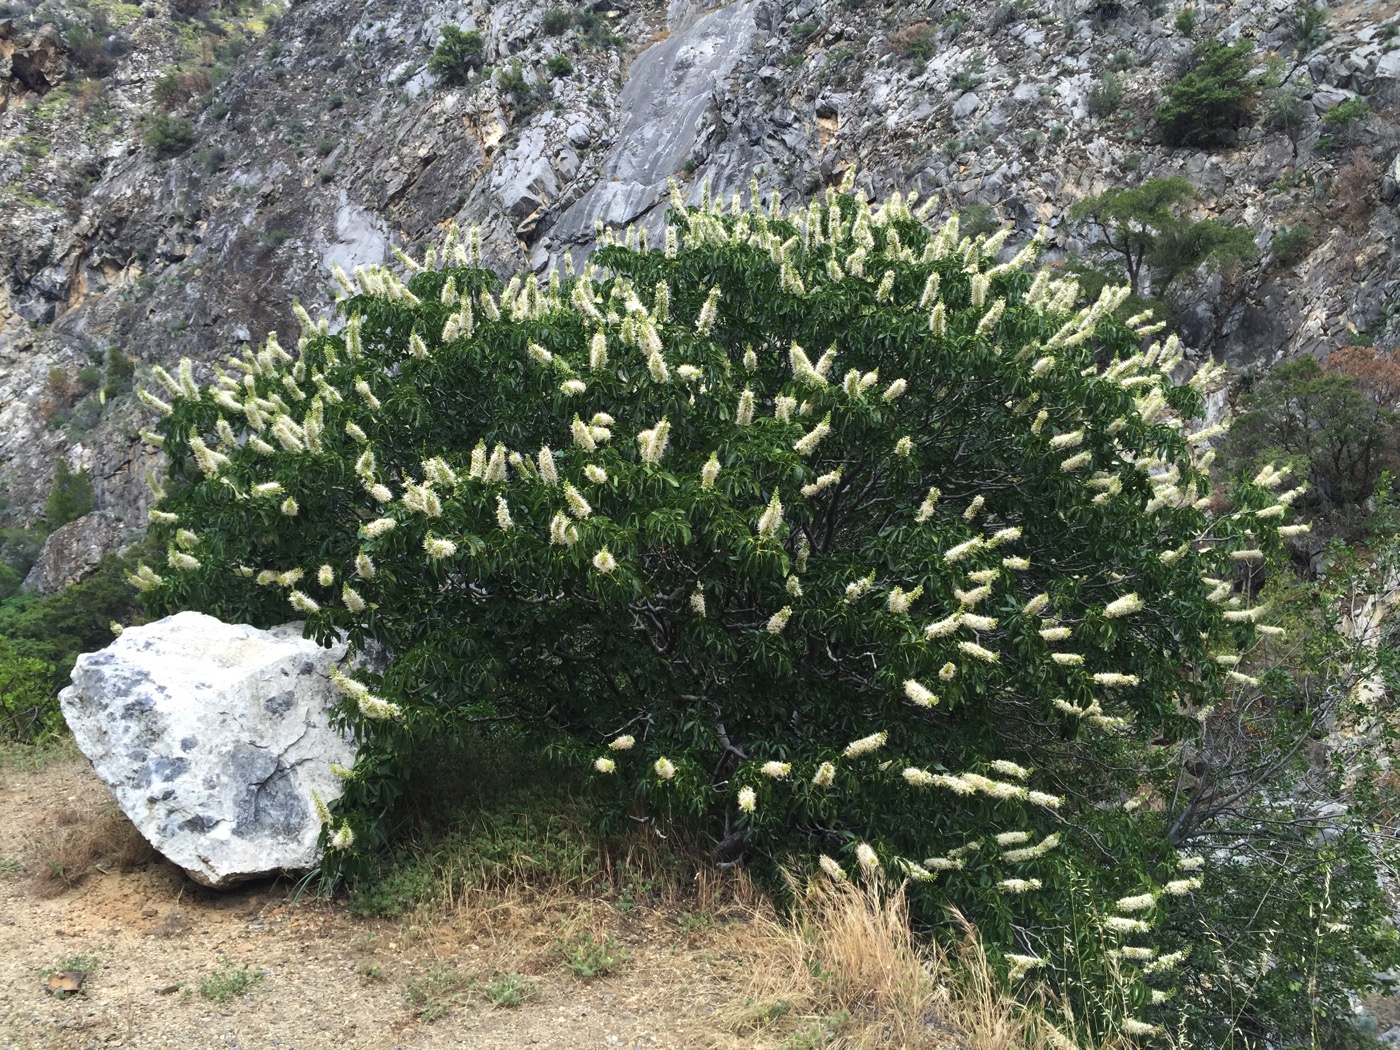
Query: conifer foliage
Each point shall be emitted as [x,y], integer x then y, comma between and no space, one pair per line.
[844,536]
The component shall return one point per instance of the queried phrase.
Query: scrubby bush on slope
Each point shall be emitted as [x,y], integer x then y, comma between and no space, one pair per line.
[824,529]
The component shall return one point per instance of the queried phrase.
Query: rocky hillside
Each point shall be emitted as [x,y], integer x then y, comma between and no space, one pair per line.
[174,174]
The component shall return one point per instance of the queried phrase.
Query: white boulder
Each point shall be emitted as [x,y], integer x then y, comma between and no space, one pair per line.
[212,737]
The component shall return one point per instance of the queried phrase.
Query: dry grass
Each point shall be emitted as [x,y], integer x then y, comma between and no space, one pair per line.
[81,839]
[847,972]
[1354,190]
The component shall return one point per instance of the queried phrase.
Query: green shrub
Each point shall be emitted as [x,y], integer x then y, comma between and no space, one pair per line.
[70,497]
[121,371]
[556,20]
[854,543]
[1291,244]
[1343,122]
[53,629]
[1310,28]
[28,707]
[559,66]
[1185,21]
[1105,95]
[512,81]
[1206,105]
[168,136]
[458,54]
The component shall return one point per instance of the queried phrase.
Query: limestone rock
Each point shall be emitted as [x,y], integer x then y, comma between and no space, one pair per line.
[212,737]
[74,550]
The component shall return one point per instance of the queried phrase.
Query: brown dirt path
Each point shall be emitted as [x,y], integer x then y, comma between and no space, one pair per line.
[328,979]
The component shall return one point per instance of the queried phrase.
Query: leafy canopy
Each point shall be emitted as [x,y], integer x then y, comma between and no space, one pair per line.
[1145,226]
[825,530]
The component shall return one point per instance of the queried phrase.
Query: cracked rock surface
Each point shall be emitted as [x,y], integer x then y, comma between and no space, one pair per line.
[212,737]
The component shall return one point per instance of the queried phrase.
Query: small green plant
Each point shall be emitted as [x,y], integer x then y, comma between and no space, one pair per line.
[978,220]
[963,81]
[1343,121]
[229,981]
[588,956]
[86,963]
[695,921]
[168,136]
[559,66]
[70,497]
[1310,28]
[433,995]
[555,21]
[10,868]
[512,81]
[1292,244]
[1185,22]
[821,1033]
[953,24]
[212,159]
[370,973]
[507,989]
[1104,96]
[458,54]
[1121,61]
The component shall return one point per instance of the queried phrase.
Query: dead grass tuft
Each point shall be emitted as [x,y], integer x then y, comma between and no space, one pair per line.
[847,972]
[82,839]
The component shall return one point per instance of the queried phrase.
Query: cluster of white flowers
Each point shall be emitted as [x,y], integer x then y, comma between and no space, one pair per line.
[1044,846]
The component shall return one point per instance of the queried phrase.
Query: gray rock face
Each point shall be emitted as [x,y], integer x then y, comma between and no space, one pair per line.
[72,552]
[213,737]
[668,101]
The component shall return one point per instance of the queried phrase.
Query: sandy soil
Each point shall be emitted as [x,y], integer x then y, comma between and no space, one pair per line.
[327,978]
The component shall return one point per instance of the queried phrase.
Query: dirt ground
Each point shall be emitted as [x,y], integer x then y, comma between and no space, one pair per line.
[154,943]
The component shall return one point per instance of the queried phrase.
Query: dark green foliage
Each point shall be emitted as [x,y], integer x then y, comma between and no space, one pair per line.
[1212,99]
[524,93]
[1288,873]
[213,159]
[458,54]
[28,710]
[1286,110]
[559,66]
[120,371]
[70,497]
[1183,246]
[168,136]
[1185,21]
[556,20]
[18,549]
[55,628]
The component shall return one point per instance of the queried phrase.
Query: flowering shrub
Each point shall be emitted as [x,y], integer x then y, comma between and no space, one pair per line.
[829,529]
